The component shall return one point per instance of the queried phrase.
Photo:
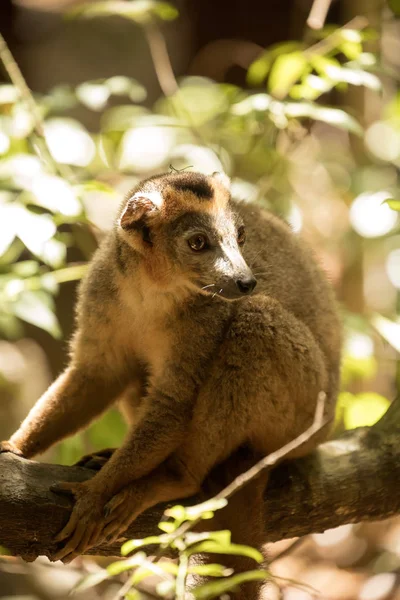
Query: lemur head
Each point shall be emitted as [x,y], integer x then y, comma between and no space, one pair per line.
[184,229]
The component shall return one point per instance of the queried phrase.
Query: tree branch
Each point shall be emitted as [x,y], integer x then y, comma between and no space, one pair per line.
[351,479]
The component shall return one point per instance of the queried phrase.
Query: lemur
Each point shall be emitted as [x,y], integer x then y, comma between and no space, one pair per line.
[212,326]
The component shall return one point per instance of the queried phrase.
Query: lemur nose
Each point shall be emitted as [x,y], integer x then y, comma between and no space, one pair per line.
[246,285]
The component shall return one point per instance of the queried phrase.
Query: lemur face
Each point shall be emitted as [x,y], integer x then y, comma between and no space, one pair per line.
[184,228]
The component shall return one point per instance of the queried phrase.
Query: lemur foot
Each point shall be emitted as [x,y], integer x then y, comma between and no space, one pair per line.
[96,460]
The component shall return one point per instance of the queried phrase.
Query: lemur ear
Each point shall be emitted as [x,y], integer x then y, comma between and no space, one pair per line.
[222,178]
[137,207]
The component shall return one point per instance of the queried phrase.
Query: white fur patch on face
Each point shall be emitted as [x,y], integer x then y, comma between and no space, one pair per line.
[222,178]
[154,197]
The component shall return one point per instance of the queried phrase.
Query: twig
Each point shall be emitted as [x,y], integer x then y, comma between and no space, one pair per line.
[18,80]
[318,12]
[272,459]
[265,463]
[330,42]
[161,60]
[165,74]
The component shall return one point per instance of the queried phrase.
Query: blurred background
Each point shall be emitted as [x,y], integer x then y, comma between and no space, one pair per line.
[298,102]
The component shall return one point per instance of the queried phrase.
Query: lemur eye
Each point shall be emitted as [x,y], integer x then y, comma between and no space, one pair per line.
[198,242]
[241,235]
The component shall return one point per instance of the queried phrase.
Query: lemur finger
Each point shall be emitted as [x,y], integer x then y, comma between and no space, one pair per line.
[113,504]
[72,543]
[69,528]
[65,488]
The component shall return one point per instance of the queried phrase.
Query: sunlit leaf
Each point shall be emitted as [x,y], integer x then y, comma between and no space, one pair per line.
[132,545]
[53,253]
[35,308]
[120,85]
[10,326]
[257,102]
[389,330]
[351,48]
[394,204]
[93,95]
[69,142]
[121,566]
[218,548]
[8,94]
[364,410]
[285,71]
[216,588]
[140,11]
[165,588]
[196,511]
[210,570]
[55,194]
[333,116]
[176,512]
[259,69]
[26,268]
[7,227]
[60,98]
[32,229]
[167,526]
[133,595]
[91,580]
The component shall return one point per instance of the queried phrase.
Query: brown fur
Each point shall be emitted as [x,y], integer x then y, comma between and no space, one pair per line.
[205,375]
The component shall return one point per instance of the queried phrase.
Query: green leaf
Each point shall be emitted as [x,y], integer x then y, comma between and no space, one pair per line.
[333,116]
[364,410]
[91,580]
[140,11]
[133,595]
[217,588]
[177,512]
[9,94]
[167,526]
[259,69]
[36,308]
[394,6]
[198,510]
[165,588]
[389,330]
[121,566]
[210,570]
[93,95]
[394,204]
[132,545]
[26,268]
[232,549]
[285,71]
[352,49]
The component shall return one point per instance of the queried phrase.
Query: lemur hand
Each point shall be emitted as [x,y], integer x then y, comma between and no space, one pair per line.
[9,447]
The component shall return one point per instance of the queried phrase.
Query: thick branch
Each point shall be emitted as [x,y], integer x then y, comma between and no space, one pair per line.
[354,478]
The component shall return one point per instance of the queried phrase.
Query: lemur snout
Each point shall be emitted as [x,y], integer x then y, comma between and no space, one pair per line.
[246,285]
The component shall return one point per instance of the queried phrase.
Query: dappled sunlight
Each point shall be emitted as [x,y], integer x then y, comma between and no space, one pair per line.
[69,142]
[370,217]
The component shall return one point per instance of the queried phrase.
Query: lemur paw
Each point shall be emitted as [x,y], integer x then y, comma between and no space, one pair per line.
[96,460]
[119,513]
[86,522]
[9,447]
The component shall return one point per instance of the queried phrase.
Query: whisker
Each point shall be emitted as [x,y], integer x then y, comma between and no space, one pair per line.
[209,285]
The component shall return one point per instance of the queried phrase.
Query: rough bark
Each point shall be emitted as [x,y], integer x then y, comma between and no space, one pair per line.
[351,479]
